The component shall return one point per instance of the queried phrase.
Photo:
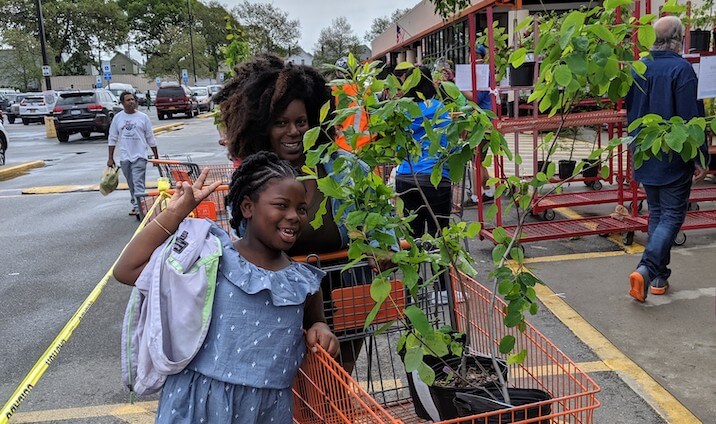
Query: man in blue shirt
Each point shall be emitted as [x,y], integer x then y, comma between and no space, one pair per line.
[667,89]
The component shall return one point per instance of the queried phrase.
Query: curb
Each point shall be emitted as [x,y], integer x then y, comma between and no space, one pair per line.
[205,115]
[169,127]
[10,171]
[77,188]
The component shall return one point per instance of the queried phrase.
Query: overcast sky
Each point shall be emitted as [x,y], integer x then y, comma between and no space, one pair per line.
[315,15]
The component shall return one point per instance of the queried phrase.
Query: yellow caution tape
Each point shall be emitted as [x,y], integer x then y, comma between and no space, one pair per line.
[42,364]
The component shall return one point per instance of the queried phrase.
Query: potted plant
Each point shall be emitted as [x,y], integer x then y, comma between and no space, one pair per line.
[586,56]
[701,23]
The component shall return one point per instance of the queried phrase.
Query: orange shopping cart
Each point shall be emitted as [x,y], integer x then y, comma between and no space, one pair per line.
[189,171]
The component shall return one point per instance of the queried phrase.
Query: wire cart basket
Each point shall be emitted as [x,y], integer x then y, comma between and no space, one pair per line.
[368,382]
[189,171]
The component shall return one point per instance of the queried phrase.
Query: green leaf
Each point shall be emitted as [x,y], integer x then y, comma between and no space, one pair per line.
[451,89]
[418,319]
[413,359]
[383,328]
[604,172]
[507,344]
[647,35]
[576,63]
[613,4]
[602,32]
[380,289]
[498,253]
[310,137]
[517,358]
[581,43]
[517,58]
[324,111]
[410,275]
[426,374]
[639,67]
[404,65]
[500,235]
[505,287]
[563,75]
[371,316]
[473,229]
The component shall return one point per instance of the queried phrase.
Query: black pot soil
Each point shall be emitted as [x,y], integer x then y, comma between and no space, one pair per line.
[589,170]
[541,167]
[434,363]
[444,396]
[522,76]
[700,40]
[471,404]
[566,168]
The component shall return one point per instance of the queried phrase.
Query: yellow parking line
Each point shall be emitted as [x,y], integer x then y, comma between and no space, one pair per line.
[573,257]
[632,374]
[168,127]
[77,188]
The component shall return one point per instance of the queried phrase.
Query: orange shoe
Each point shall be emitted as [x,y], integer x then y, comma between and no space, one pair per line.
[639,282]
[659,286]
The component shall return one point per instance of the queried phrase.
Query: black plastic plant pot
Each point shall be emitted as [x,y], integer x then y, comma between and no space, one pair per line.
[468,404]
[566,168]
[700,40]
[419,391]
[591,168]
[444,397]
[541,166]
[522,76]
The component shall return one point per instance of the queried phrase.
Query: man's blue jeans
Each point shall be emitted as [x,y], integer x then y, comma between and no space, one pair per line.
[667,211]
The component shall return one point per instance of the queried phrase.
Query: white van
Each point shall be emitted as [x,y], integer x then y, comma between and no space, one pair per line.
[118,88]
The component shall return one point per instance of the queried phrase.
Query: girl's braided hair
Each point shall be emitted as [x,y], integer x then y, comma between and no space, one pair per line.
[259,92]
[251,178]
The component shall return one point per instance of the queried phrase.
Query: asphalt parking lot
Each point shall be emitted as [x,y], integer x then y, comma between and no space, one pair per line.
[654,362]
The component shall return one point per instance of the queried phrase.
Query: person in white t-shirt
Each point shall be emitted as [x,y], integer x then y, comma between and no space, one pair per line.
[131,130]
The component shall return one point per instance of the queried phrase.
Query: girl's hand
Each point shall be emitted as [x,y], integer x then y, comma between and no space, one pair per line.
[319,333]
[186,197]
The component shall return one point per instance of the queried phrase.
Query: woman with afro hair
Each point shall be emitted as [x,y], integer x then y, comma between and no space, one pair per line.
[268,106]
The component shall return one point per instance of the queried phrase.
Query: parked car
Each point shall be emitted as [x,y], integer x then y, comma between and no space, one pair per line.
[4,139]
[203,97]
[5,102]
[117,88]
[13,112]
[35,107]
[213,89]
[175,98]
[84,112]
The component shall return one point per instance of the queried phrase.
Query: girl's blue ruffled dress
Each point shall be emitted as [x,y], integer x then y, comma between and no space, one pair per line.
[252,352]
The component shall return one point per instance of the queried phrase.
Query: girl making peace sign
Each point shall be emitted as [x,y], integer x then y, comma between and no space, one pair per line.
[255,343]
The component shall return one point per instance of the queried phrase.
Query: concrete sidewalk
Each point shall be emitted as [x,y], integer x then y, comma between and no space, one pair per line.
[664,349]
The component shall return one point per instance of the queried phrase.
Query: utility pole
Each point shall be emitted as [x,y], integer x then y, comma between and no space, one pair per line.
[43,47]
[191,37]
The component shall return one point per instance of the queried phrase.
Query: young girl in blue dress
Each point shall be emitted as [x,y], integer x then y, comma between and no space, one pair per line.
[255,344]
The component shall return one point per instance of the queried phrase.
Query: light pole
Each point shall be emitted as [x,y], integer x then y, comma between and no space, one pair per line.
[41,27]
[191,38]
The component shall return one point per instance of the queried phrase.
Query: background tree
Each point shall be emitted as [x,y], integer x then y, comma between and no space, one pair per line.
[447,8]
[268,29]
[22,64]
[213,22]
[169,59]
[150,19]
[380,24]
[71,26]
[335,42]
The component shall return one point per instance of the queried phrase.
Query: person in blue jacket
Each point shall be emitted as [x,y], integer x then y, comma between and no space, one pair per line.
[668,89]
[414,172]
